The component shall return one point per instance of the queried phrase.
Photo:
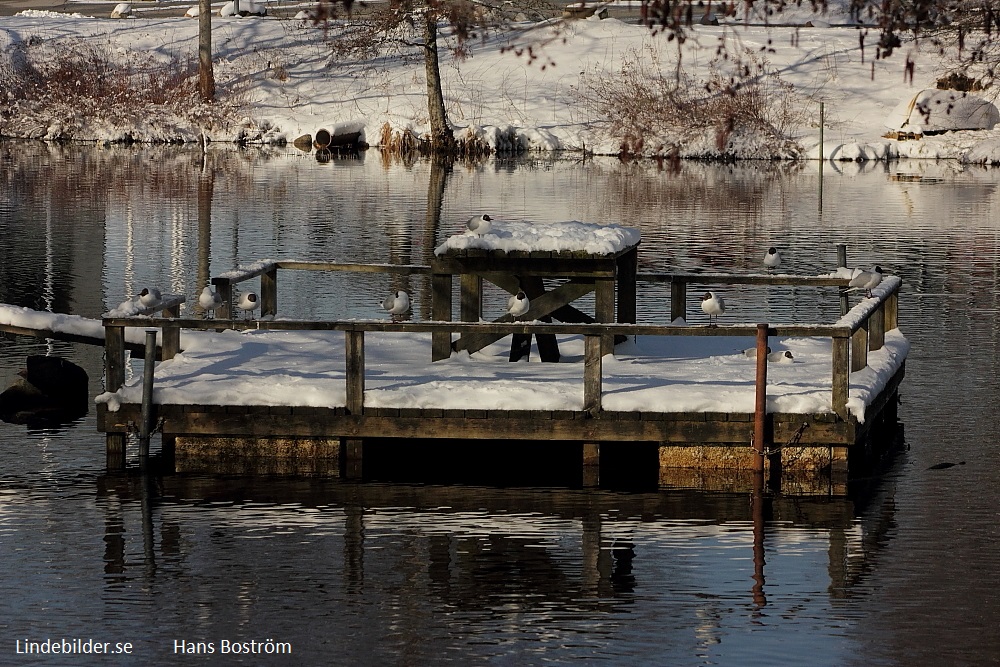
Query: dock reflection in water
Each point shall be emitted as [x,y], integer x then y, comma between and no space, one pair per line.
[485,573]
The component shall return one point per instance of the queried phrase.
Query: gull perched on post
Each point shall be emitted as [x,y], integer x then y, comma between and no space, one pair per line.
[518,304]
[866,280]
[149,297]
[249,303]
[713,306]
[479,225]
[397,303]
[772,258]
[210,300]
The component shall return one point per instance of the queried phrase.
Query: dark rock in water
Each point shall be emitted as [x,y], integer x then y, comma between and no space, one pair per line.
[51,390]
[946,464]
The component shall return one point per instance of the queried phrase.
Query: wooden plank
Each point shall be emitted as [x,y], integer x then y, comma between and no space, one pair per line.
[396,269]
[552,267]
[737,279]
[420,426]
[592,375]
[859,349]
[355,344]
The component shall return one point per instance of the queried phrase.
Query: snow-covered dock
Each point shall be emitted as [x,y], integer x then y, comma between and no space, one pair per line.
[318,390]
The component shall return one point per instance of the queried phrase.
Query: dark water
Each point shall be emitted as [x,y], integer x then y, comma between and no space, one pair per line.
[901,572]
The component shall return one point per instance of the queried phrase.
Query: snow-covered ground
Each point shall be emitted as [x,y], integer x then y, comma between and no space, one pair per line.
[296,86]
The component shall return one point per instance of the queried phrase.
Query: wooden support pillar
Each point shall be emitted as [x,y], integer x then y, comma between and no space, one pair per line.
[114,378]
[841,378]
[593,369]
[471,296]
[441,312]
[859,348]
[678,300]
[604,307]
[591,464]
[548,348]
[353,448]
[269,292]
[627,268]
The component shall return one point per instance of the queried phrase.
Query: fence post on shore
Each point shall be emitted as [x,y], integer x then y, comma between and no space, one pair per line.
[146,414]
[760,403]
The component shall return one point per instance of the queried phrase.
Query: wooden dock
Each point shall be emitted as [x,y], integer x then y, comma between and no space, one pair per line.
[692,446]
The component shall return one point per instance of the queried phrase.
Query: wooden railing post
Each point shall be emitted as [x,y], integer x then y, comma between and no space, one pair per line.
[891,311]
[841,377]
[170,343]
[355,349]
[471,297]
[859,348]
[269,292]
[224,288]
[876,329]
[678,299]
[604,309]
[593,369]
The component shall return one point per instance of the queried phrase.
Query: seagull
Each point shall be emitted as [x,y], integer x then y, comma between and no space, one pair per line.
[713,306]
[210,300]
[149,297]
[751,352]
[866,280]
[249,303]
[479,225]
[772,259]
[397,303]
[779,355]
[518,304]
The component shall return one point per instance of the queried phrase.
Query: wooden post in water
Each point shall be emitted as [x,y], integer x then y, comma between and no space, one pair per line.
[592,371]
[822,157]
[146,414]
[114,378]
[353,448]
[760,404]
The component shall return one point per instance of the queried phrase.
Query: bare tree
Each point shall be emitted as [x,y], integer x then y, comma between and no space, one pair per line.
[206,75]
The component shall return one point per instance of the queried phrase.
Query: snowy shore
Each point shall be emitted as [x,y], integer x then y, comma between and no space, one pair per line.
[292,85]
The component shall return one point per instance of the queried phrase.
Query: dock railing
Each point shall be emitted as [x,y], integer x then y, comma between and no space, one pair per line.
[853,336]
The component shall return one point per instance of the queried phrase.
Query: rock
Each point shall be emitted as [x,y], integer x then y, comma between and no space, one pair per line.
[50,390]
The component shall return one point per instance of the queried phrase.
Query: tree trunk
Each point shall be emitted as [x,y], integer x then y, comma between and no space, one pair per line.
[206,77]
[442,139]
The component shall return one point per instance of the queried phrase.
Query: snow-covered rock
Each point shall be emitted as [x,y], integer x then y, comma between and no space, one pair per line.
[935,110]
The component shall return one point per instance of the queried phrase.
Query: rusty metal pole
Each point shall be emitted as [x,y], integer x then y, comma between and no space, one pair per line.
[760,405]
